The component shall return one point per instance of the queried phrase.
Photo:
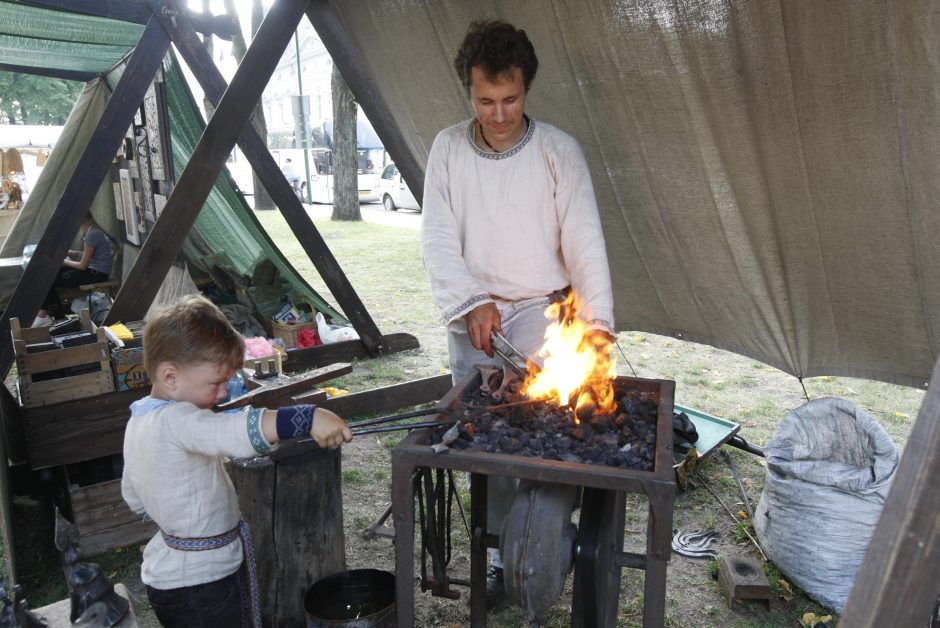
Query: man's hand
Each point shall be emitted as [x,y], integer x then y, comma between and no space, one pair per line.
[329,430]
[481,321]
[600,339]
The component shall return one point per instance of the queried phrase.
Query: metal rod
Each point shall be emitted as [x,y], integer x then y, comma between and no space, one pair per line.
[737,480]
[397,417]
[410,426]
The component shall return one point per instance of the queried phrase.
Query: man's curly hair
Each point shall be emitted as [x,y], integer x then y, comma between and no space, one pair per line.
[496,47]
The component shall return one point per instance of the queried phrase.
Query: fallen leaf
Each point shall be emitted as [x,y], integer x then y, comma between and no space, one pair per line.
[742,515]
[786,585]
[811,619]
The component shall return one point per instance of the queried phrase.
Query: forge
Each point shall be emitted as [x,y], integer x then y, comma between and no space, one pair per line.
[555,458]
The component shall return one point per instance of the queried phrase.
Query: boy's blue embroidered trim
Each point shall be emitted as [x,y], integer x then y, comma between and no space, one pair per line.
[254,431]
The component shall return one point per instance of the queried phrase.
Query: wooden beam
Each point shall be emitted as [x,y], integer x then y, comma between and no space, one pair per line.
[93,166]
[897,583]
[69,75]
[274,181]
[390,398]
[321,355]
[326,20]
[138,12]
[198,177]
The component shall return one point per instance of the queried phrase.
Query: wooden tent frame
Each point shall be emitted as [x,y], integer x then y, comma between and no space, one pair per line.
[897,582]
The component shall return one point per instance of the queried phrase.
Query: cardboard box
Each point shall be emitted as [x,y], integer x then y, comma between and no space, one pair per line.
[128,366]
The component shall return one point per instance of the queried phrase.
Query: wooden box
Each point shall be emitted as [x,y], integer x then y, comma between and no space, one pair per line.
[34,385]
[129,371]
[104,520]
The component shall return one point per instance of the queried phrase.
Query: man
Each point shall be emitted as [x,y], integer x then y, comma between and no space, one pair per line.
[510,221]
[291,175]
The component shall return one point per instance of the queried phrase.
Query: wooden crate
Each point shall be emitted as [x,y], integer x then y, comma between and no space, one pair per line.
[39,393]
[104,520]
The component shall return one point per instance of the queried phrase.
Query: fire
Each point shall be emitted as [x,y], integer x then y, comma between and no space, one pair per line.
[576,362]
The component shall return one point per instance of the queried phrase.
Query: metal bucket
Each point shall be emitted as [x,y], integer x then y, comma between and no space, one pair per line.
[360,598]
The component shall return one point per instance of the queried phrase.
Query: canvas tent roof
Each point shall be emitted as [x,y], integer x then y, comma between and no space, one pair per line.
[766,172]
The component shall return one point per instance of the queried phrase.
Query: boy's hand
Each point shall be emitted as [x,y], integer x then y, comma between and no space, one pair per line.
[329,430]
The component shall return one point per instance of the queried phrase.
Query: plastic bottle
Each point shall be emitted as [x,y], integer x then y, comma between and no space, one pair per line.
[235,386]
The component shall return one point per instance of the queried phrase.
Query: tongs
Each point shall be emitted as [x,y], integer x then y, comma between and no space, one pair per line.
[296,446]
[512,356]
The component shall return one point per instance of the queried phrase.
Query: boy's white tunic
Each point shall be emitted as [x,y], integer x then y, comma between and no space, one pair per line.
[173,471]
[502,227]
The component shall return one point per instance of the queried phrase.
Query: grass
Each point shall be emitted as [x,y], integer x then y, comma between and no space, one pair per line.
[383,264]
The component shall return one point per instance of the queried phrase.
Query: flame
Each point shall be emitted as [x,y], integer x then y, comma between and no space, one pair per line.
[576,362]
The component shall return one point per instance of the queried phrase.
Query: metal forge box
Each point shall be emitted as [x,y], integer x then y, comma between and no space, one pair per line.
[599,549]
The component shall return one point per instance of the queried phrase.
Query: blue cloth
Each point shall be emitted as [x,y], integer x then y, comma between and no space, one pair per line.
[294,421]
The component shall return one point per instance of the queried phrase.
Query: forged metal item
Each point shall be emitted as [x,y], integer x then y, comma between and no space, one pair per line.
[537,546]
[14,612]
[695,544]
[436,495]
[94,600]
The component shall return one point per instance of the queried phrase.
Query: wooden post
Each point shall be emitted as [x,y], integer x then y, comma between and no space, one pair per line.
[294,508]
[897,583]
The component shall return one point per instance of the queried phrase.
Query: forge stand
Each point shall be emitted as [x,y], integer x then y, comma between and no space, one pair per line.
[600,555]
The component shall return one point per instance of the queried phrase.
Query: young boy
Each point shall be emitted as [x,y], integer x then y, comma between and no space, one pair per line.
[173,450]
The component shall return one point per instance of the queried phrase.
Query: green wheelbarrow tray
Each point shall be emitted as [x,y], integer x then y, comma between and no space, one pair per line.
[713,431]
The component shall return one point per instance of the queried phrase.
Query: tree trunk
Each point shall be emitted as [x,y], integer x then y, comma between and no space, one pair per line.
[345,181]
[208,43]
[239,48]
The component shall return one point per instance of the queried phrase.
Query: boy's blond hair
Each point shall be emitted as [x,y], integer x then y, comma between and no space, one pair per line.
[191,331]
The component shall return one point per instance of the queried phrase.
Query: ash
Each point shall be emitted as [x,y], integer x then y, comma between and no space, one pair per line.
[542,429]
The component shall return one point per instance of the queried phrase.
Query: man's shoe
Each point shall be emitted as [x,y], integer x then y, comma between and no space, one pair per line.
[42,321]
[495,588]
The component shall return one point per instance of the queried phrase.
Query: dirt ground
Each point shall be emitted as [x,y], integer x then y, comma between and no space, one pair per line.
[383,264]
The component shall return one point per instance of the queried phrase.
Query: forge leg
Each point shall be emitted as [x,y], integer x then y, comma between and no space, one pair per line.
[658,549]
[477,551]
[403,503]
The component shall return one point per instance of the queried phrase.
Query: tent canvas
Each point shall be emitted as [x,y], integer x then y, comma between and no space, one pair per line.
[765,172]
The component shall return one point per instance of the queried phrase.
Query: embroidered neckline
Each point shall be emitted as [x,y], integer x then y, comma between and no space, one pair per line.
[509,153]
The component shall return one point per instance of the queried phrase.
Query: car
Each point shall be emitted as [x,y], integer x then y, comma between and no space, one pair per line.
[395,192]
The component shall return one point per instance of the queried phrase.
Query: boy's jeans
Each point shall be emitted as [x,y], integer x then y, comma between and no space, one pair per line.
[211,605]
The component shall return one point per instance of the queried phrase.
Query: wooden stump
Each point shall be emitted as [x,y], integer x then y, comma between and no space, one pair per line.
[295,510]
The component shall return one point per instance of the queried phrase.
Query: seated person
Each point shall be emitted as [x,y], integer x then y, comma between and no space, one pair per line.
[90,265]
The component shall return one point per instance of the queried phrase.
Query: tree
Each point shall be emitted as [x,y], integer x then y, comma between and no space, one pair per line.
[29,99]
[345,182]
[239,48]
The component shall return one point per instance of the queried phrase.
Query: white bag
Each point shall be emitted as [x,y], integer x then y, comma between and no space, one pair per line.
[829,469]
[334,333]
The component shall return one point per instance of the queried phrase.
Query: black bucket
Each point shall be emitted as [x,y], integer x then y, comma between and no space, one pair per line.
[361,598]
